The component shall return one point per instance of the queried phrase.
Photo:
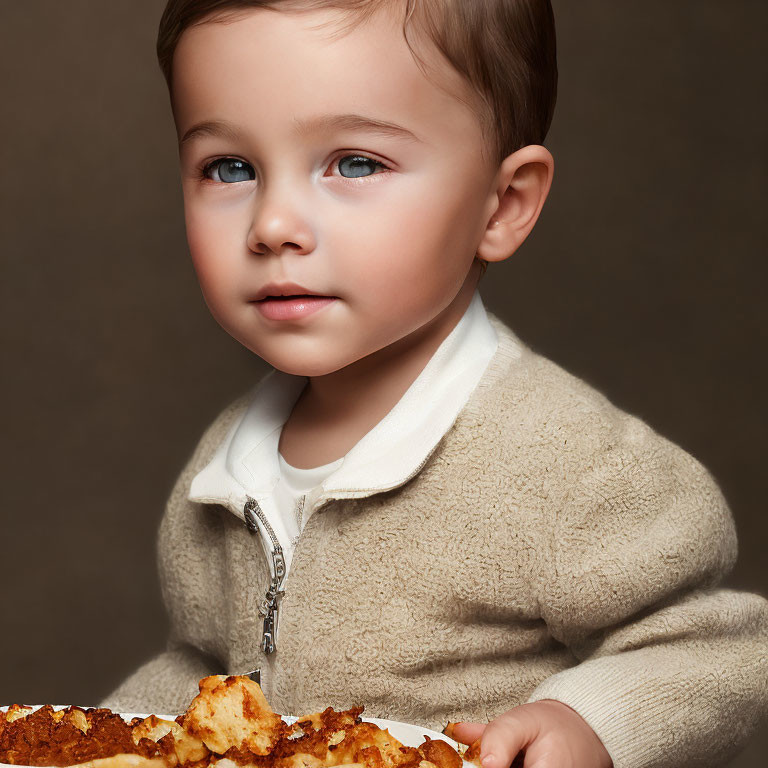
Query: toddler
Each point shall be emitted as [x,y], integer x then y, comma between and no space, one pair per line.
[413,510]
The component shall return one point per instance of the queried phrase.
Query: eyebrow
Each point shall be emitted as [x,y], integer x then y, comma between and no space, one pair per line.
[352,122]
[210,128]
[302,127]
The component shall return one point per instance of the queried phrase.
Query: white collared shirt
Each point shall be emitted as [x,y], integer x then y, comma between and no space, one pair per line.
[247,462]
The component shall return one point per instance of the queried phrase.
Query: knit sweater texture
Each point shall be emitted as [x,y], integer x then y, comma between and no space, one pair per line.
[552,546]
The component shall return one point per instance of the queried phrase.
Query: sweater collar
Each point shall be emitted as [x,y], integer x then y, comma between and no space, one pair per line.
[246,462]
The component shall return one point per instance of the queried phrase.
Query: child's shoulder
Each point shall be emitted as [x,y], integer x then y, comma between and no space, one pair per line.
[595,470]
[523,382]
[566,426]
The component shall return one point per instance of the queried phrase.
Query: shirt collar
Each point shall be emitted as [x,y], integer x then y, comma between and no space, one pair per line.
[393,451]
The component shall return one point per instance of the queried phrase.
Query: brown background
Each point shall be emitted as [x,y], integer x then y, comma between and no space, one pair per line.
[646,276]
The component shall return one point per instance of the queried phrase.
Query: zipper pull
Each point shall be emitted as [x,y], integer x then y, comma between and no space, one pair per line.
[270,610]
[270,607]
[268,632]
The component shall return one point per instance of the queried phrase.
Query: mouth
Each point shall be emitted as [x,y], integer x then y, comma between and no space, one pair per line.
[294,296]
[286,291]
[295,306]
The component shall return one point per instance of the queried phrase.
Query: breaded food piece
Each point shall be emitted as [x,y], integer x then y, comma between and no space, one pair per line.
[329,720]
[231,712]
[368,744]
[310,742]
[175,745]
[333,738]
[440,753]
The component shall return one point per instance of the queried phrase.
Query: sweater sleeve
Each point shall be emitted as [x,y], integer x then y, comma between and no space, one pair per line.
[671,669]
[164,685]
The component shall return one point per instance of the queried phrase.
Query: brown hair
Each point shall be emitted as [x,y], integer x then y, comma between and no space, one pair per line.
[505,49]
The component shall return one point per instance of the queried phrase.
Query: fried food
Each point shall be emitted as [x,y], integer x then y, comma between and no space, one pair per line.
[229,724]
[232,713]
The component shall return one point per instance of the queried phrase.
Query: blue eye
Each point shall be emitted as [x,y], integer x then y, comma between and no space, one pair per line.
[358,165]
[230,170]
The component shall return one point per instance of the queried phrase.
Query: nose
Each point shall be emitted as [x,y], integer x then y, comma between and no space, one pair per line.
[279,225]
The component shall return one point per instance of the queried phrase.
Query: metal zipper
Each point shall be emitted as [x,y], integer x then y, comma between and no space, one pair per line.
[269,609]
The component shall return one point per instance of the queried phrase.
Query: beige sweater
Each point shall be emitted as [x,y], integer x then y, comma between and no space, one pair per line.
[552,546]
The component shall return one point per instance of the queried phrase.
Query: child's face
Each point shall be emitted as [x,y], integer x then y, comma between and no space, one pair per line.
[394,243]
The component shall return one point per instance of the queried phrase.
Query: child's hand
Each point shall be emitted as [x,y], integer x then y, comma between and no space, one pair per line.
[551,733]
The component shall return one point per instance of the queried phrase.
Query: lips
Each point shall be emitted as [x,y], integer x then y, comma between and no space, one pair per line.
[291,296]
[292,308]
[276,290]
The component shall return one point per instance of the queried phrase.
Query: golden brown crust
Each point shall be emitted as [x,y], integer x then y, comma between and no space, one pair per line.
[440,753]
[228,725]
[232,712]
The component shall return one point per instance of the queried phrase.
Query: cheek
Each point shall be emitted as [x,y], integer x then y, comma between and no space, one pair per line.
[213,250]
[416,241]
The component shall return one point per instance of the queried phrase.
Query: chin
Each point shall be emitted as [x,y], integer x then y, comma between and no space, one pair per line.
[303,365]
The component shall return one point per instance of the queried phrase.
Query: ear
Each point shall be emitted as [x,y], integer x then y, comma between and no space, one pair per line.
[522,185]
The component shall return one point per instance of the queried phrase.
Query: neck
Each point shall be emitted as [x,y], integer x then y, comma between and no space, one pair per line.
[363,392]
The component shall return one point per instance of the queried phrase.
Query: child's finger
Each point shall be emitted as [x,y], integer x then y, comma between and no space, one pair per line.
[465,733]
[503,739]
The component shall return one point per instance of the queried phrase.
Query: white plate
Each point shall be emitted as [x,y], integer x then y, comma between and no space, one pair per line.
[406,733]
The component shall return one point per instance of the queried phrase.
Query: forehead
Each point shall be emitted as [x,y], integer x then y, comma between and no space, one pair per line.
[282,70]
